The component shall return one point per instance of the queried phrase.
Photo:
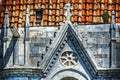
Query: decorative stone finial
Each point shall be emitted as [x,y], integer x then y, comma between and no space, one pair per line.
[75,24]
[68,13]
[27,18]
[6,20]
[27,11]
[6,11]
[113,16]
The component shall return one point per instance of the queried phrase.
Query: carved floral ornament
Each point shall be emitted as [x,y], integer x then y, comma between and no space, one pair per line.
[69,58]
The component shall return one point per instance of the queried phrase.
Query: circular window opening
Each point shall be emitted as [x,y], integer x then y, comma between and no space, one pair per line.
[69,58]
[69,78]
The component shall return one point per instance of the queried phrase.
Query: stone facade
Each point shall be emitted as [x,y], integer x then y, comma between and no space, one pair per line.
[83,52]
[83,12]
[95,39]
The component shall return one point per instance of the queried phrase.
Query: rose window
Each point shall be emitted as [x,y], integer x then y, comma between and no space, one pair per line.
[69,58]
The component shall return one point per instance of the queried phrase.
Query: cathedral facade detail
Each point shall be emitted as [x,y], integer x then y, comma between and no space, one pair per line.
[70,51]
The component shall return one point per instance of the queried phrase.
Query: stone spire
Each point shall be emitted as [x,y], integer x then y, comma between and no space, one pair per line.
[6,20]
[27,24]
[113,17]
[113,42]
[68,13]
[112,27]
[26,39]
[6,23]
[27,18]
[5,37]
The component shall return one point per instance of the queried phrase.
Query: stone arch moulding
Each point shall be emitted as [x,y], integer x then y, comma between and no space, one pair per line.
[69,73]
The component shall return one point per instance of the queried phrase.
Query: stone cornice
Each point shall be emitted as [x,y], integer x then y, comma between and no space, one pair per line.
[114,73]
[20,72]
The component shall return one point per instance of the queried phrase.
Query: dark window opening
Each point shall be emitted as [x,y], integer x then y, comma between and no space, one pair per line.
[39,14]
[69,78]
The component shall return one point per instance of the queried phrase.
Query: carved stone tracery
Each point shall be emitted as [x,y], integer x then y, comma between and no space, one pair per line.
[68,58]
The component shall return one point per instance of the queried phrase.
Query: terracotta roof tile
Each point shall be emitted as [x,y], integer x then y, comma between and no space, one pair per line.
[83,6]
[31,18]
[1,20]
[45,17]
[2,14]
[1,2]
[57,19]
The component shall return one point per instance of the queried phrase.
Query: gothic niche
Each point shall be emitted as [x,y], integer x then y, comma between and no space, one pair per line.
[69,58]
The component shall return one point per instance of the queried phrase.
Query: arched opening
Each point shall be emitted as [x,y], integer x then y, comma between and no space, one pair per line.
[69,74]
[69,78]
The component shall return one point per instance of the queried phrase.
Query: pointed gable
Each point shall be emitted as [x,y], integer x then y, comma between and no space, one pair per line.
[67,32]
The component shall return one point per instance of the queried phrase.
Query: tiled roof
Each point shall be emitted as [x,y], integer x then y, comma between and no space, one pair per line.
[83,12]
